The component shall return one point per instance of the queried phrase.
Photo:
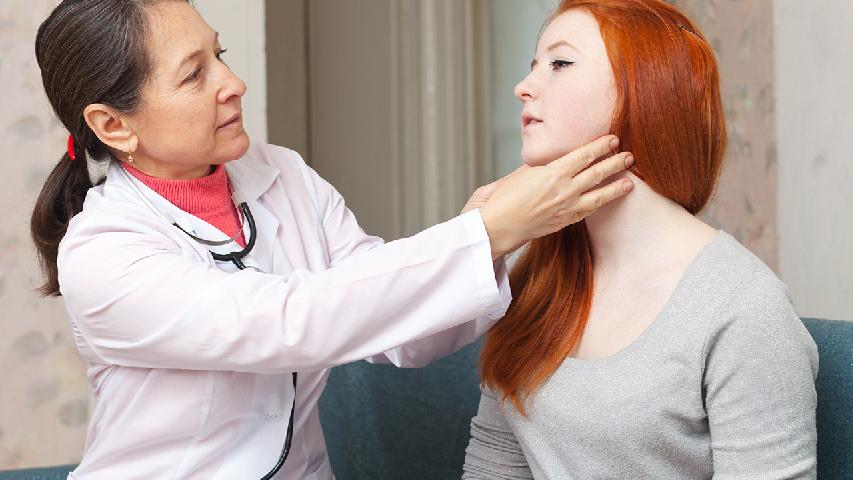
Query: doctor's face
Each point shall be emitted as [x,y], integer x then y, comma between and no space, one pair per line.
[570,94]
[190,116]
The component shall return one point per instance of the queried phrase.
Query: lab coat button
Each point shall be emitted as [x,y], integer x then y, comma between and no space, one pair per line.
[274,416]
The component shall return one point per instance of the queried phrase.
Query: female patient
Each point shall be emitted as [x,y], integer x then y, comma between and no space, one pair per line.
[640,343]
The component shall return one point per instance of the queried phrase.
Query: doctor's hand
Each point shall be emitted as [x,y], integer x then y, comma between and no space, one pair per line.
[482,194]
[532,202]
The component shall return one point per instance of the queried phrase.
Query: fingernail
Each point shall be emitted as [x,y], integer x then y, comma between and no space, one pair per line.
[614,143]
[627,186]
[629,161]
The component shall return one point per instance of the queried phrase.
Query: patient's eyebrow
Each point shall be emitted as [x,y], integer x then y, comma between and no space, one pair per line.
[557,44]
[561,43]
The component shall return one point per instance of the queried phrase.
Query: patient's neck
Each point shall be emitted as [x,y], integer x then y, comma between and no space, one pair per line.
[645,231]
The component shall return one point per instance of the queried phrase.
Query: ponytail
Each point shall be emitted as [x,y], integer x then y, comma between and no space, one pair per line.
[60,199]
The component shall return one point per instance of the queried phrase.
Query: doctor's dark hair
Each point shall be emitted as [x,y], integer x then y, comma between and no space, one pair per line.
[88,51]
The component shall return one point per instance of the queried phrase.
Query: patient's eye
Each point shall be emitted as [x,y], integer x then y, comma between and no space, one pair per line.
[558,65]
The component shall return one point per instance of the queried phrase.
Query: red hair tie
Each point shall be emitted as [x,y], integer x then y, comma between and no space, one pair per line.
[71,148]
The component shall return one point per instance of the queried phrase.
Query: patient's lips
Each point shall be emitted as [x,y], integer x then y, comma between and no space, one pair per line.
[529,120]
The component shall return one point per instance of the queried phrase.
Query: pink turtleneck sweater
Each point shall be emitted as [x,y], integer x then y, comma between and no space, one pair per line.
[208,198]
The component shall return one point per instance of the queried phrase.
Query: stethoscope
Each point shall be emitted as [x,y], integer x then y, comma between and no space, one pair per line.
[234,257]
[237,259]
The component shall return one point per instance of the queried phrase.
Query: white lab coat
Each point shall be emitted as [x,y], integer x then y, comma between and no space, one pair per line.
[190,360]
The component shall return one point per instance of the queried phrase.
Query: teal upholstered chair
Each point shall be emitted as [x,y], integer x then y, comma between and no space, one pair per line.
[387,423]
[383,422]
[834,385]
[52,473]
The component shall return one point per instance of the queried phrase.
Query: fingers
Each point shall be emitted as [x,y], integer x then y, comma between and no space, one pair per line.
[580,159]
[522,168]
[487,190]
[595,199]
[482,194]
[594,175]
[490,188]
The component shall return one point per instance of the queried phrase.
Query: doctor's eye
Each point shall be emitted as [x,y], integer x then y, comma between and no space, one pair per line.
[558,65]
[194,75]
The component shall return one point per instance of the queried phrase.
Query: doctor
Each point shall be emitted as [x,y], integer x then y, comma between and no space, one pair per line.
[210,282]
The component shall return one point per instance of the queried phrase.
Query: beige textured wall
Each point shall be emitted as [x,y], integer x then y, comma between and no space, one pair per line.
[741,33]
[43,396]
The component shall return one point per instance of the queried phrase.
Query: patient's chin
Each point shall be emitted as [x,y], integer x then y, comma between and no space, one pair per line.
[536,163]
[537,159]
[545,154]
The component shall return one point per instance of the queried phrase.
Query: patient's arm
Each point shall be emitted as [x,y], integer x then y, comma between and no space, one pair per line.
[758,386]
[493,451]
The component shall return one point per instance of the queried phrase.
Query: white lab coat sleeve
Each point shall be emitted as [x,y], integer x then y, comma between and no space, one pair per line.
[421,352]
[140,300]
[345,239]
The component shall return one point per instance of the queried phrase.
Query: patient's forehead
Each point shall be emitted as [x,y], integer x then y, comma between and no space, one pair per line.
[576,28]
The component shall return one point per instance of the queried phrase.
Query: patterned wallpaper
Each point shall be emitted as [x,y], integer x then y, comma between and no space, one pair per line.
[741,33]
[44,399]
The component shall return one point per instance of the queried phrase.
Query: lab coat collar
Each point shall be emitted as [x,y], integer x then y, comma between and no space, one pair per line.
[249,178]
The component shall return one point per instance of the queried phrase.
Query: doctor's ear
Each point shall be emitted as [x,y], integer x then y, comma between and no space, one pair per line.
[111,128]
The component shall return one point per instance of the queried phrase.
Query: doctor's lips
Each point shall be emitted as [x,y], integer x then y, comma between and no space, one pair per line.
[230,120]
[528,120]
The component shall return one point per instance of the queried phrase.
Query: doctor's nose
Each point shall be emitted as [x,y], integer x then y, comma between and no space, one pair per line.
[233,86]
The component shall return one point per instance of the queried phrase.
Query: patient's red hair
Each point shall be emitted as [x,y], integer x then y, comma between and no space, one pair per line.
[670,116]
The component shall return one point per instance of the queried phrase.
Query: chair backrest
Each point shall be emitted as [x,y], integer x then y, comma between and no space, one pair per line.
[47,473]
[386,422]
[834,339]
[383,422]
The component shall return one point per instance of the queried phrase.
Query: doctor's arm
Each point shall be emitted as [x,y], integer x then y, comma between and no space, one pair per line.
[139,300]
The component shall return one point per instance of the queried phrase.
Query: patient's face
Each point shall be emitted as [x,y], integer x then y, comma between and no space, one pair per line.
[570,94]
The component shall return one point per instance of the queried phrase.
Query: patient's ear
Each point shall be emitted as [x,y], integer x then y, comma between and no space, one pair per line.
[111,127]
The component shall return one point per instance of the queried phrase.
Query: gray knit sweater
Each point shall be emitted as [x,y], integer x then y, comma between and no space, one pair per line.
[720,385]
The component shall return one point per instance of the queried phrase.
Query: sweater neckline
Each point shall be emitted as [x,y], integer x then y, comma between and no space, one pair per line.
[674,298]
[198,196]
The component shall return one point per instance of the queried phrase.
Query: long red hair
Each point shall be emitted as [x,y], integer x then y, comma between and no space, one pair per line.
[669,115]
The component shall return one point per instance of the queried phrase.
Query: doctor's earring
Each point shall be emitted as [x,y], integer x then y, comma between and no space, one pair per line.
[129,157]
